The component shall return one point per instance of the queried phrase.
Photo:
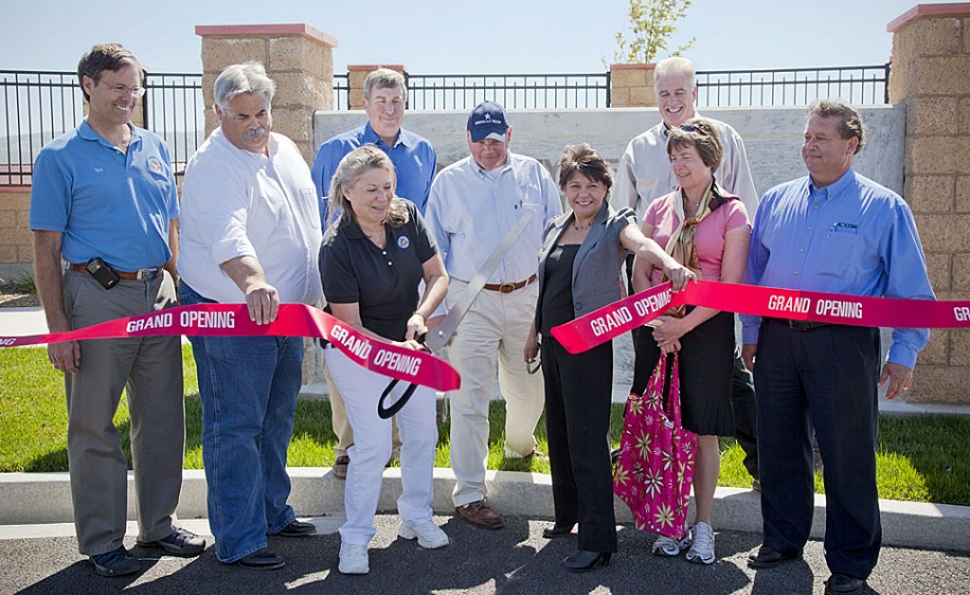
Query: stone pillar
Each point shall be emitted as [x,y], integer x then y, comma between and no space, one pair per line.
[631,85]
[297,57]
[931,76]
[358,73]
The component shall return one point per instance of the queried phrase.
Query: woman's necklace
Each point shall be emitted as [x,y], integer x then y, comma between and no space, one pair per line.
[582,228]
[379,237]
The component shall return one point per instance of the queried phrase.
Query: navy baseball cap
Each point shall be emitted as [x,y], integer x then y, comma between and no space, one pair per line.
[487,120]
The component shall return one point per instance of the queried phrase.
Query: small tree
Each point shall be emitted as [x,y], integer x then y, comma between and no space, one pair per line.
[651,25]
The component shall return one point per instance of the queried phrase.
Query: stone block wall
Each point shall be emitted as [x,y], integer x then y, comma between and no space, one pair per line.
[16,241]
[931,76]
[297,57]
[631,85]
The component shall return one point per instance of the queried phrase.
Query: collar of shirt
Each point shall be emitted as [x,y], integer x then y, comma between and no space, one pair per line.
[352,229]
[87,133]
[370,137]
[833,190]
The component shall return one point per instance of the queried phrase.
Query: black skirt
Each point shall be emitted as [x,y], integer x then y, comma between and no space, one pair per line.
[706,365]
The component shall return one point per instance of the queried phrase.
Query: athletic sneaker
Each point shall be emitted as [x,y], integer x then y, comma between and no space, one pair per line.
[702,550]
[670,547]
[353,559]
[428,534]
[117,562]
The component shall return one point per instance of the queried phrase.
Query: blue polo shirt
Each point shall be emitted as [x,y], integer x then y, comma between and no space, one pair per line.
[853,237]
[413,157]
[106,203]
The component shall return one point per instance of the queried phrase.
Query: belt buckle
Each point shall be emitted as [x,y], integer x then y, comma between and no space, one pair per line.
[506,288]
[146,274]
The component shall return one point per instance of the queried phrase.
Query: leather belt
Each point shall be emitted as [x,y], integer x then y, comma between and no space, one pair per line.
[799,325]
[139,275]
[509,287]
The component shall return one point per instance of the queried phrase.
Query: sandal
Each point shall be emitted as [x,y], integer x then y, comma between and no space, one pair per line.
[340,466]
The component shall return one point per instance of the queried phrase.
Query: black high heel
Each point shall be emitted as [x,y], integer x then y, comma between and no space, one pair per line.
[557,531]
[583,561]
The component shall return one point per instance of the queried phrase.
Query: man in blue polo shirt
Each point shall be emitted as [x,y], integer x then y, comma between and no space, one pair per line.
[833,231]
[414,159]
[104,200]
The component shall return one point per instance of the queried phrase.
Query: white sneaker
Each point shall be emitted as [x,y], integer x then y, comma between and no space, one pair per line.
[428,534]
[670,547]
[353,559]
[702,550]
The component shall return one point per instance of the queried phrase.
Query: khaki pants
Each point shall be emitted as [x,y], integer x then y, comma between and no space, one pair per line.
[493,332]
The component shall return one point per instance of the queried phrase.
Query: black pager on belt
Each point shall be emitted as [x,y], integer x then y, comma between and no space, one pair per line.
[102,273]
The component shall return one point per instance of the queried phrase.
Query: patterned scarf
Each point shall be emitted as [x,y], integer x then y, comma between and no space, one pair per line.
[681,244]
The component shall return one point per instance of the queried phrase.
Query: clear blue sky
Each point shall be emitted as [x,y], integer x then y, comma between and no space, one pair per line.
[458,36]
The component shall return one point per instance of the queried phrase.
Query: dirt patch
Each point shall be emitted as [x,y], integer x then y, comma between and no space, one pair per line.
[13,295]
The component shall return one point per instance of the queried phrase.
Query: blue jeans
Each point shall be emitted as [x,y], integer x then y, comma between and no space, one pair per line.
[248,387]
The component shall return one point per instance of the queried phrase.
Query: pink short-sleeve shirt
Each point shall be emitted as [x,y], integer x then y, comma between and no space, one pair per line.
[709,237]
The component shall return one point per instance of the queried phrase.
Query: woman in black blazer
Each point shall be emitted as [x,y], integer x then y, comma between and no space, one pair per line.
[579,271]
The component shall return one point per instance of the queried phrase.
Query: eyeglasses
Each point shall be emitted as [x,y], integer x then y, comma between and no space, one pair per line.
[688,128]
[124,90]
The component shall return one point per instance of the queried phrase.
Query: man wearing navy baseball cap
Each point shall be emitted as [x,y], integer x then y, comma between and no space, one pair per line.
[473,204]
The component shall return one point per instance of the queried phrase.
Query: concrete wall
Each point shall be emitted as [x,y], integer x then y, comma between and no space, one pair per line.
[772,136]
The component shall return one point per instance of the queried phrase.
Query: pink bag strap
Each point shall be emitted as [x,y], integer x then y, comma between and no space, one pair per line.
[656,385]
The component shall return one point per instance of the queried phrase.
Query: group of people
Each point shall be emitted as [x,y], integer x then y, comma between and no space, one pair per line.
[394,247]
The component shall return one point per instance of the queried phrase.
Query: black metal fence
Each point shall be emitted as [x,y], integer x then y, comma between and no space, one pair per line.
[173,108]
[515,91]
[795,86]
[341,91]
[38,106]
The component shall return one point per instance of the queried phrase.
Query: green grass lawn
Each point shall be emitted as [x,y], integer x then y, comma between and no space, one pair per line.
[922,458]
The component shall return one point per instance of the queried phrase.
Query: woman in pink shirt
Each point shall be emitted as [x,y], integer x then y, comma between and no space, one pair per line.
[707,229]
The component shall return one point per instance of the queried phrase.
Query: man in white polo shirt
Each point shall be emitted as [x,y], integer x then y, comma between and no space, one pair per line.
[250,234]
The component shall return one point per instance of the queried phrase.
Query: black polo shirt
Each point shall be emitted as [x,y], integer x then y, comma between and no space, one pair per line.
[382,281]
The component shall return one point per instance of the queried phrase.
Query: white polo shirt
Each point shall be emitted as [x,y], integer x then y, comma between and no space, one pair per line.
[239,203]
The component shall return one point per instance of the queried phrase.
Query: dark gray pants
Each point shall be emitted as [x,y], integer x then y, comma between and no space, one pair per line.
[823,378]
[150,369]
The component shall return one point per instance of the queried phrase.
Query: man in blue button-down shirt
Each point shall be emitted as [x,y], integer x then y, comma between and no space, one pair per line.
[833,231]
[414,159]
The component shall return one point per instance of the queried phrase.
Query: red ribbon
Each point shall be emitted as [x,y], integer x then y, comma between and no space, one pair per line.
[619,317]
[293,320]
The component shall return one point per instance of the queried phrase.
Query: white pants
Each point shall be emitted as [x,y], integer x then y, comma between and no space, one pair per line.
[372,448]
[494,331]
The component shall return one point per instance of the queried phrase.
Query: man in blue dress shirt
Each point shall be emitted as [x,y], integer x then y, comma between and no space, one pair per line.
[833,231]
[414,159]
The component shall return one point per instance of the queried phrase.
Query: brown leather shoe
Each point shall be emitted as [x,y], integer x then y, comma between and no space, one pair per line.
[480,515]
[536,455]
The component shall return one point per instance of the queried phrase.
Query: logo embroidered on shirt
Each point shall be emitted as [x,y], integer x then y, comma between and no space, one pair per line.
[403,242]
[154,164]
[98,170]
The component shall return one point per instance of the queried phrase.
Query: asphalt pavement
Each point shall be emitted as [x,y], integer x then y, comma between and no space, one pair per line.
[513,560]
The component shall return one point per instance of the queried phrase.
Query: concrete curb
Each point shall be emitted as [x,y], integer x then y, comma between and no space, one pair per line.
[42,498]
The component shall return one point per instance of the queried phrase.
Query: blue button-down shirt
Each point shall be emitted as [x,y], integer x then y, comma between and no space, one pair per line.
[413,157]
[852,237]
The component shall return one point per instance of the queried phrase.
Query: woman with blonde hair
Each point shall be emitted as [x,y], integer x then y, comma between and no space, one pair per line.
[372,262]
